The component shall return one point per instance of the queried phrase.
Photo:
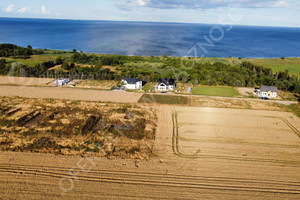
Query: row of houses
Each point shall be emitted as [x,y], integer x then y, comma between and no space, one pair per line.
[170,84]
[162,85]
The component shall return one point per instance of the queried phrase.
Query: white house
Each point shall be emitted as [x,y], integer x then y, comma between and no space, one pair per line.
[61,81]
[165,84]
[133,83]
[266,92]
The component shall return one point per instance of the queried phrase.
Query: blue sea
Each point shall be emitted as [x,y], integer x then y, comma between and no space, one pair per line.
[150,38]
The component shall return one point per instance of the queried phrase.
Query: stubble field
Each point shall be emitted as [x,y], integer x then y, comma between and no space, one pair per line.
[209,151]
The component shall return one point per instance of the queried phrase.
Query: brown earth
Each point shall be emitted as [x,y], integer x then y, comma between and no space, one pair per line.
[26,81]
[216,149]
[201,153]
[49,82]
[70,94]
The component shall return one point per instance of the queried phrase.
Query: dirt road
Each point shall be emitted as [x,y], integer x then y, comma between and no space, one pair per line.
[201,153]
[70,94]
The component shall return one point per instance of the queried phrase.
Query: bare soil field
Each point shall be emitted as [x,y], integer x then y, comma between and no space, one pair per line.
[27,81]
[245,91]
[199,153]
[70,94]
[32,81]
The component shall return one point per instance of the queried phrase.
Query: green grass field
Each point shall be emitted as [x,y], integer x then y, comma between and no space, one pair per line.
[163,99]
[277,64]
[215,91]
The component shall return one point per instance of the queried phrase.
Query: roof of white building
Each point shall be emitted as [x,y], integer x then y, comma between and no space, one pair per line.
[132,80]
[265,88]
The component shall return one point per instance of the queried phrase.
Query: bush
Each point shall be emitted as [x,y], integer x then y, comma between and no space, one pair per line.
[147,87]
[40,143]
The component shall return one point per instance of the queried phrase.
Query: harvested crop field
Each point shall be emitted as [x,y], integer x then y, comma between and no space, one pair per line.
[76,128]
[70,94]
[207,162]
[246,135]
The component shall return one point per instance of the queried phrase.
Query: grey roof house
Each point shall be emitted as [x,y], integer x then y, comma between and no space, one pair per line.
[165,84]
[267,91]
[133,83]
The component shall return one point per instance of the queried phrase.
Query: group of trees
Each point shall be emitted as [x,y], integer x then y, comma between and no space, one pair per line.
[151,69]
[7,50]
[82,58]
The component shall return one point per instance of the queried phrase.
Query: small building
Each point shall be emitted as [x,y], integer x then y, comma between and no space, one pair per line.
[266,92]
[132,83]
[60,82]
[165,84]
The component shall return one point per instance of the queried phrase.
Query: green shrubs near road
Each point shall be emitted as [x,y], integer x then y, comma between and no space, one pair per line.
[215,91]
[163,99]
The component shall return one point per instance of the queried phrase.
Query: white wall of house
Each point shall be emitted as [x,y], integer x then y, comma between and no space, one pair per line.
[136,86]
[164,87]
[263,94]
[60,82]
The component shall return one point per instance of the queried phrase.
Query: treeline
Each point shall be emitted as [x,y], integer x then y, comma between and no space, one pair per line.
[151,68]
[7,50]
[82,58]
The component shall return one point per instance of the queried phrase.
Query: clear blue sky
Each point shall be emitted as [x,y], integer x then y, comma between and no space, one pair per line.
[245,12]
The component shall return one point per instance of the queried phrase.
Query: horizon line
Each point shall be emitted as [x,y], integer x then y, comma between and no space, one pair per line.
[202,23]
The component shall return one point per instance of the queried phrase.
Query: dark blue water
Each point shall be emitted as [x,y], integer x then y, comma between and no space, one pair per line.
[143,38]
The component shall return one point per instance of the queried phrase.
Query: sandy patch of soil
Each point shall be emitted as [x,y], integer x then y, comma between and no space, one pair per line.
[11,80]
[70,94]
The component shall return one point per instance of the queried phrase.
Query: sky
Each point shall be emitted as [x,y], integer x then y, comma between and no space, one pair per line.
[242,12]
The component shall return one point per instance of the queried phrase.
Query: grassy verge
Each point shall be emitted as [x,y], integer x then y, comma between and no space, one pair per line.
[288,96]
[215,91]
[163,99]
[295,108]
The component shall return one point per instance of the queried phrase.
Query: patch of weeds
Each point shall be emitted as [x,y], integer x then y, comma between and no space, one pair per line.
[163,99]
[135,130]
[90,124]
[6,142]
[6,123]
[74,103]
[40,143]
[27,118]
[50,100]
[137,112]
[154,133]
[295,108]
[31,131]
[134,149]
[122,109]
